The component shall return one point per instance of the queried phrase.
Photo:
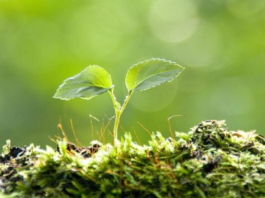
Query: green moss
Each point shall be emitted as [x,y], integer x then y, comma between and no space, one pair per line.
[208,161]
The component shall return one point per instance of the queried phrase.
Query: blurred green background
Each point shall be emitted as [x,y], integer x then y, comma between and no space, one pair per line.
[43,42]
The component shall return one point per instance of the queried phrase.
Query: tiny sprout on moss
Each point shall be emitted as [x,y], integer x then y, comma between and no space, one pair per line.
[95,80]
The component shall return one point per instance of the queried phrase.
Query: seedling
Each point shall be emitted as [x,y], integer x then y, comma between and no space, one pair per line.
[95,80]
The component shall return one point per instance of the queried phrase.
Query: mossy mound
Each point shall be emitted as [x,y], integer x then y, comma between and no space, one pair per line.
[208,161]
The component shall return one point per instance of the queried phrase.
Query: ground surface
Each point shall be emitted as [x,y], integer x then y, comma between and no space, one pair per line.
[208,161]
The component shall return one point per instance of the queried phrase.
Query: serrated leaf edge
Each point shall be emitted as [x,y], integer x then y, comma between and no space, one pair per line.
[159,59]
[72,77]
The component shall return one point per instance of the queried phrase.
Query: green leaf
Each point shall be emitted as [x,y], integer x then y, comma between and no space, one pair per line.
[150,73]
[92,81]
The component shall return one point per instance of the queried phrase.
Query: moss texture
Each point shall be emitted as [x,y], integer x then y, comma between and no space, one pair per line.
[208,161]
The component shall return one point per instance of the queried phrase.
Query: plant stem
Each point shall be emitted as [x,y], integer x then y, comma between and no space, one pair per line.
[116,126]
[118,111]
[116,105]
[128,97]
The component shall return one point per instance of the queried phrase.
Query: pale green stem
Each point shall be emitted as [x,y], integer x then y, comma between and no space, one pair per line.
[128,97]
[116,126]
[118,111]
[116,105]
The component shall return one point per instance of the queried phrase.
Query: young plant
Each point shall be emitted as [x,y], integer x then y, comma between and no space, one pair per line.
[95,80]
